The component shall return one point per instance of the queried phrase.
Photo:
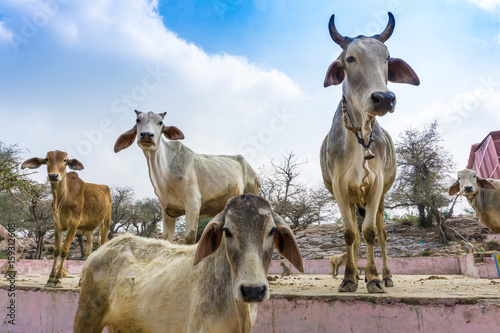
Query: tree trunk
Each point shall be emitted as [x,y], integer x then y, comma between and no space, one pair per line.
[39,245]
[443,236]
[425,219]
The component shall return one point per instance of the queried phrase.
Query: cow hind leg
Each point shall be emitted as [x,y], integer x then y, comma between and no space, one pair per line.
[382,239]
[88,237]
[104,231]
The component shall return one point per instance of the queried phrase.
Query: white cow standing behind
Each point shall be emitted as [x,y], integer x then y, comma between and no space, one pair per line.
[483,195]
[187,183]
[135,284]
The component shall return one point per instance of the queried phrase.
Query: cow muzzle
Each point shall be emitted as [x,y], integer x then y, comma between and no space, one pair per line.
[383,102]
[53,177]
[146,138]
[253,294]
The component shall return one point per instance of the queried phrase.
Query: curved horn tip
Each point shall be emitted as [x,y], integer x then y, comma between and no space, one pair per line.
[389,29]
[336,37]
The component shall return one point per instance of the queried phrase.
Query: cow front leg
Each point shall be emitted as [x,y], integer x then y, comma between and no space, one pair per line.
[374,284]
[350,281]
[382,239]
[70,235]
[192,216]
[168,226]
[57,252]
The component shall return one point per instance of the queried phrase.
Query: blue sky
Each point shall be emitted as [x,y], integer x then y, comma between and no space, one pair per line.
[228,71]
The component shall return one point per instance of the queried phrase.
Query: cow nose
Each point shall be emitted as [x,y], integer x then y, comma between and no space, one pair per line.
[149,134]
[53,176]
[253,294]
[383,101]
[468,188]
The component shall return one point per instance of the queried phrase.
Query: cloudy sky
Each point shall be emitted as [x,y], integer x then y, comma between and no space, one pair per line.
[236,76]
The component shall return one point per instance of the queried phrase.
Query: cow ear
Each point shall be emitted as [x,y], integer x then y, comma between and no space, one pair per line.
[286,244]
[484,183]
[455,188]
[211,239]
[126,139]
[74,164]
[172,133]
[33,163]
[401,72]
[335,74]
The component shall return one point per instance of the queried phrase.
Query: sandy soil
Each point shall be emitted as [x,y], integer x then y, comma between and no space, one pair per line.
[441,287]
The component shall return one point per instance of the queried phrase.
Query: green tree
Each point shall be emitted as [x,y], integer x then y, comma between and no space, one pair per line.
[148,215]
[424,169]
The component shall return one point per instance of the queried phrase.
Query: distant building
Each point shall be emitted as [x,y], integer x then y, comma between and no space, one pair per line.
[484,157]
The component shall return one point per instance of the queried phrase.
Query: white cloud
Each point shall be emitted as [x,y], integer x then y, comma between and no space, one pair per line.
[217,100]
[487,4]
[5,33]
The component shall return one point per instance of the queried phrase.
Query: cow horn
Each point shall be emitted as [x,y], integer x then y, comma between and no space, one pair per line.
[337,38]
[389,29]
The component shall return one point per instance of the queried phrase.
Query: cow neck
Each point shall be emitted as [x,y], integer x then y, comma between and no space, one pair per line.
[219,273]
[58,192]
[363,134]
[157,164]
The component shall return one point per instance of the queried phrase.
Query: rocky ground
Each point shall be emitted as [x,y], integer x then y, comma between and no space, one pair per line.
[323,241]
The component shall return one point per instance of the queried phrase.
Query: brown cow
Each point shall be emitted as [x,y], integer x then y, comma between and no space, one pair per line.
[76,205]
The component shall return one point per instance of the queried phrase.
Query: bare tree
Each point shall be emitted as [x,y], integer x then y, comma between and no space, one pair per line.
[298,204]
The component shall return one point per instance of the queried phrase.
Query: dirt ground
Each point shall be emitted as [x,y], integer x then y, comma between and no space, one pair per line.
[303,285]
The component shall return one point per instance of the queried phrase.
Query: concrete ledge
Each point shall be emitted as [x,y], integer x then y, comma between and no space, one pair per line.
[323,314]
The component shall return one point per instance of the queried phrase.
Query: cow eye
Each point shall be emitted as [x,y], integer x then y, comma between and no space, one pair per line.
[137,120]
[350,59]
[271,233]
[160,123]
[227,232]
[65,160]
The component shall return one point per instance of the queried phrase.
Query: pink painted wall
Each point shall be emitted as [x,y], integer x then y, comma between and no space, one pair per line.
[404,266]
[26,266]
[54,311]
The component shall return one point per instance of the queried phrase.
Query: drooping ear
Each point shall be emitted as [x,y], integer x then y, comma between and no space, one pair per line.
[484,183]
[335,74]
[286,244]
[401,72]
[172,133]
[211,238]
[455,188]
[34,163]
[74,164]
[126,139]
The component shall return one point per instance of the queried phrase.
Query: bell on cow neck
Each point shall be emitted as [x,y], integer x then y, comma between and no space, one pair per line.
[368,155]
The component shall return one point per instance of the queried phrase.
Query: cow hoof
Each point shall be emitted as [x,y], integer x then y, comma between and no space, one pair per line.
[57,284]
[50,284]
[388,282]
[375,286]
[348,286]
[64,272]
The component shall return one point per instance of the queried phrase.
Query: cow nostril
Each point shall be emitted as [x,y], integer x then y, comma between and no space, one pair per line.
[253,294]
[375,99]
[383,101]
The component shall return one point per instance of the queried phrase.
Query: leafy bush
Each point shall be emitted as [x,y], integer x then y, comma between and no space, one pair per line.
[406,219]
